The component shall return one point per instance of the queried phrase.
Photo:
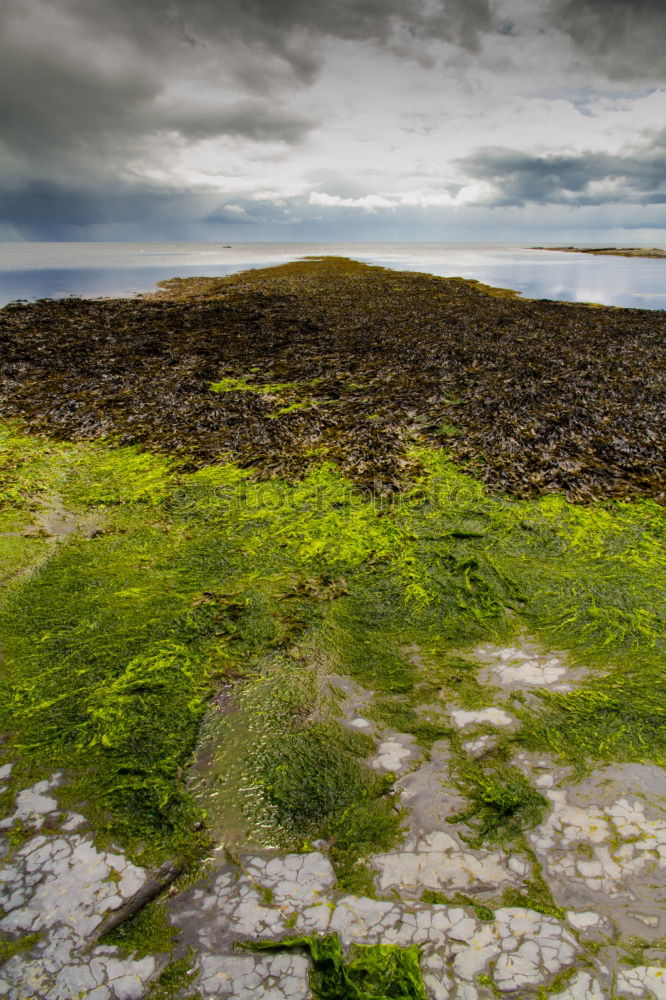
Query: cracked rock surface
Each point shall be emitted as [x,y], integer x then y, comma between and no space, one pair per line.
[603,844]
[525,948]
[512,951]
[59,886]
[526,666]
[437,861]
[600,849]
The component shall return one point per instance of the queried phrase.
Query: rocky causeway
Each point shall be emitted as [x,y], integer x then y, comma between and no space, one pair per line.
[331,674]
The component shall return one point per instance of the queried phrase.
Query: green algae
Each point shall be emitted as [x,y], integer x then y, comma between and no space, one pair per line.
[283,771]
[202,585]
[148,932]
[441,679]
[16,947]
[432,897]
[502,802]
[209,607]
[536,894]
[634,948]
[396,715]
[244,385]
[174,981]
[368,972]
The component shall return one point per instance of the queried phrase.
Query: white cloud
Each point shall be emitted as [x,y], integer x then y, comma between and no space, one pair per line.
[375,110]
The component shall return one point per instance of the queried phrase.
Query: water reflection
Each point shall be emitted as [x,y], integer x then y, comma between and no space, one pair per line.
[93,282]
[617,281]
[40,270]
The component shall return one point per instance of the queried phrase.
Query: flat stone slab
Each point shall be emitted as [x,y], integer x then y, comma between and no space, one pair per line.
[396,754]
[261,898]
[272,977]
[583,986]
[428,793]
[641,981]
[61,887]
[603,846]
[437,861]
[526,665]
[464,719]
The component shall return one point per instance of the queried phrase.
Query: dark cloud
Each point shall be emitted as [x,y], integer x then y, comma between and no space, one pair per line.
[287,28]
[90,80]
[100,97]
[251,118]
[87,87]
[635,176]
[42,207]
[50,102]
[62,100]
[623,38]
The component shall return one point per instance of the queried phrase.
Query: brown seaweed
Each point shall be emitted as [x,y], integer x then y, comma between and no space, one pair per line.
[331,359]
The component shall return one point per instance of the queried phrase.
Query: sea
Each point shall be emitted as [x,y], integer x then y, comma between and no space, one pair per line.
[31,271]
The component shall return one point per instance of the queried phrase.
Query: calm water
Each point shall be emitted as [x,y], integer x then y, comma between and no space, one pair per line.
[54,270]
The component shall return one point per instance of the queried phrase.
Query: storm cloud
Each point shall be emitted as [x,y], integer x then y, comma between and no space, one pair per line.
[82,76]
[623,39]
[290,27]
[205,117]
[634,176]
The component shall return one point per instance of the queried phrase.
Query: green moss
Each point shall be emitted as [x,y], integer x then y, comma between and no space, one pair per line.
[502,801]
[617,717]
[355,876]
[18,833]
[537,894]
[448,430]
[557,985]
[10,948]
[634,948]
[432,898]
[368,972]
[361,636]
[147,933]
[91,680]
[308,773]
[454,678]
[287,393]
[397,715]
[489,982]
[100,476]
[243,385]
[173,982]
[283,768]
[363,828]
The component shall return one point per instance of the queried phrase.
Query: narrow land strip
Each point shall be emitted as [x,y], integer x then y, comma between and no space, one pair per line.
[398,730]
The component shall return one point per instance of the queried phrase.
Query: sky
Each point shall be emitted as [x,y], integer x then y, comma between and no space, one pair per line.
[333,120]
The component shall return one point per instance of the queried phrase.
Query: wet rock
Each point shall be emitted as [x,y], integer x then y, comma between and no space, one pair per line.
[361,361]
[437,861]
[481,717]
[62,888]
[526,666]
[526,947]
[642,981]
[604,846]
[395,754]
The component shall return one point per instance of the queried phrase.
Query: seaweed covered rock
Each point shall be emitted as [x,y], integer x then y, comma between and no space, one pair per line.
[370,971]
[328,358]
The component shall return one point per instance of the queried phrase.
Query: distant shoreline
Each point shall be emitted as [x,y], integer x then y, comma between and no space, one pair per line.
[610,251]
